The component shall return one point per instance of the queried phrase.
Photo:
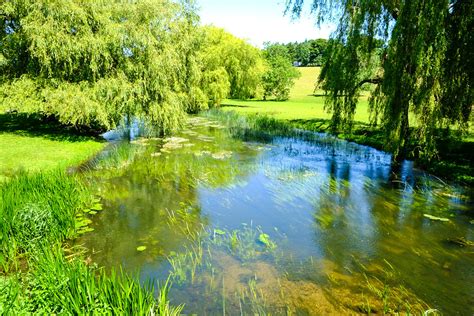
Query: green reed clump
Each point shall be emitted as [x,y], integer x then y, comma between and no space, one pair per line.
[118,155]
[251,123]
[39,207]
[55,285]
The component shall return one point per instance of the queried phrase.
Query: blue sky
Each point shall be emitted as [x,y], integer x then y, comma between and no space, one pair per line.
[260,21]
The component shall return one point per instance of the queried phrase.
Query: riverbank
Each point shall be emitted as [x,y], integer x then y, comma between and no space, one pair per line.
[42,208]
[305,110]
[31,144]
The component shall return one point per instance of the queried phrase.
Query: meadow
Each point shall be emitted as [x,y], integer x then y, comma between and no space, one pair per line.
[306,102]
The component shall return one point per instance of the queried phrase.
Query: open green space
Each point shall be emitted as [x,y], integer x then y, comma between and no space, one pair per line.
[305,103]
[30,144]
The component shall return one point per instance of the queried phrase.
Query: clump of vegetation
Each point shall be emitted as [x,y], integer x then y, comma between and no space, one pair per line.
[38,208]
[57,285]
[280,75]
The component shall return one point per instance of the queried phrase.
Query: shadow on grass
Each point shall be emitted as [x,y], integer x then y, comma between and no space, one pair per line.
[34,125]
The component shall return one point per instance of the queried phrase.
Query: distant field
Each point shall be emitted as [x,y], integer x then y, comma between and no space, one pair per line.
[304,102]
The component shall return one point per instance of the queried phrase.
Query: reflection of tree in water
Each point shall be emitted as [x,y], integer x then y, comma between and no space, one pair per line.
[383,220]
[153,202]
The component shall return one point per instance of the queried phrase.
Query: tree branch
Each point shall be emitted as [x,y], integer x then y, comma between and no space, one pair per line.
[376,80]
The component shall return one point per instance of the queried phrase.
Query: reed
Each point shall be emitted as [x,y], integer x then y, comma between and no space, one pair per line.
[55,285]
[39,207]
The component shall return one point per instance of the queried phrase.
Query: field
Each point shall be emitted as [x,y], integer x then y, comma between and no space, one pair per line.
[304,104]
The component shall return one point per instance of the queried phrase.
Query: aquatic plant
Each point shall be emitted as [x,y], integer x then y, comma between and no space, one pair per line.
[39,207]
[57,285]
[116,156]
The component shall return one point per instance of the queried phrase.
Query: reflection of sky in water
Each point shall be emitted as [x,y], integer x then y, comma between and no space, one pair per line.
[327,199]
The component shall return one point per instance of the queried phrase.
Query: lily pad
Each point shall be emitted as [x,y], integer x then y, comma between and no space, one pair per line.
[435,218]
[219,232]
[141,248]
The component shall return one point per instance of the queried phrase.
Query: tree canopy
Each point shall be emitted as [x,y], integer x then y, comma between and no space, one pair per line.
[233,67]
[423,72]
[92,62]
[280,74]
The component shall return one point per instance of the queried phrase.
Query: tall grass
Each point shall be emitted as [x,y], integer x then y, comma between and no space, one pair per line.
[250,123]
[39,207]
[38,213]
[55,285]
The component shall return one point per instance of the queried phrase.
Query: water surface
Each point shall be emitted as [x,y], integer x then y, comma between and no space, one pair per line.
[305,225]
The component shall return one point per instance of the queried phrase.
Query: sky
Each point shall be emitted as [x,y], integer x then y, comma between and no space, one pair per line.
[260,21]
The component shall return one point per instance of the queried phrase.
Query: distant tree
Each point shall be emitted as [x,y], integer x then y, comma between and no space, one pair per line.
[317,53]
[280,74]
[308,53]
[424,73]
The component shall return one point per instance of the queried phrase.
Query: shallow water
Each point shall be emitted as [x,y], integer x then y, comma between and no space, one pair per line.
[302,225]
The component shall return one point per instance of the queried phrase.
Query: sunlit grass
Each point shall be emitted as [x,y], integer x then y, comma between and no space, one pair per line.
[305,102]
[33,153]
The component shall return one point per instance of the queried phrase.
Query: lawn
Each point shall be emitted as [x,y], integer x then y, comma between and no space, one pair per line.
[304,104]
[29,144]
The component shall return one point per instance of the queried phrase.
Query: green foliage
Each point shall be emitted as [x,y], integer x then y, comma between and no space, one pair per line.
[422,71]
[280,75]
[39,208]
[232,66]
[55,285]
[92,63]
[309,53]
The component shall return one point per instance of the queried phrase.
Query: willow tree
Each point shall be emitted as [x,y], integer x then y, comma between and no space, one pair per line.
[93,63]
[231,65]
[422,74]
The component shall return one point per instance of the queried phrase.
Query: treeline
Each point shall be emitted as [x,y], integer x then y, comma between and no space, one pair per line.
[92,64]
[309,53]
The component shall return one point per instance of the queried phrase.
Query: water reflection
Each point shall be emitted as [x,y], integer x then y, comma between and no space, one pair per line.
[345,221]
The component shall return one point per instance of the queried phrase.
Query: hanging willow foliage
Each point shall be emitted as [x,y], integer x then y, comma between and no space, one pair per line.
[417,53]
[93,63]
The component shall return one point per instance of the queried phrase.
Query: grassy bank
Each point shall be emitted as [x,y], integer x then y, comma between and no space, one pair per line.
[33,144]
[41,207]
[305,110]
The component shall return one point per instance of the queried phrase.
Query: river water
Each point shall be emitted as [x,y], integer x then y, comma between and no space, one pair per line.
[248,223]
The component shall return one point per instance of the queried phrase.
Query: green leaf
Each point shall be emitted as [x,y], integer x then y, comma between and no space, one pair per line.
[435,218]
[141,248]
[97,207]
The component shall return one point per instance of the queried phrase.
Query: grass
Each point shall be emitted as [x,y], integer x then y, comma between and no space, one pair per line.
[304,104]
[30,143]
[41,207]
[305,110]
[58,285]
